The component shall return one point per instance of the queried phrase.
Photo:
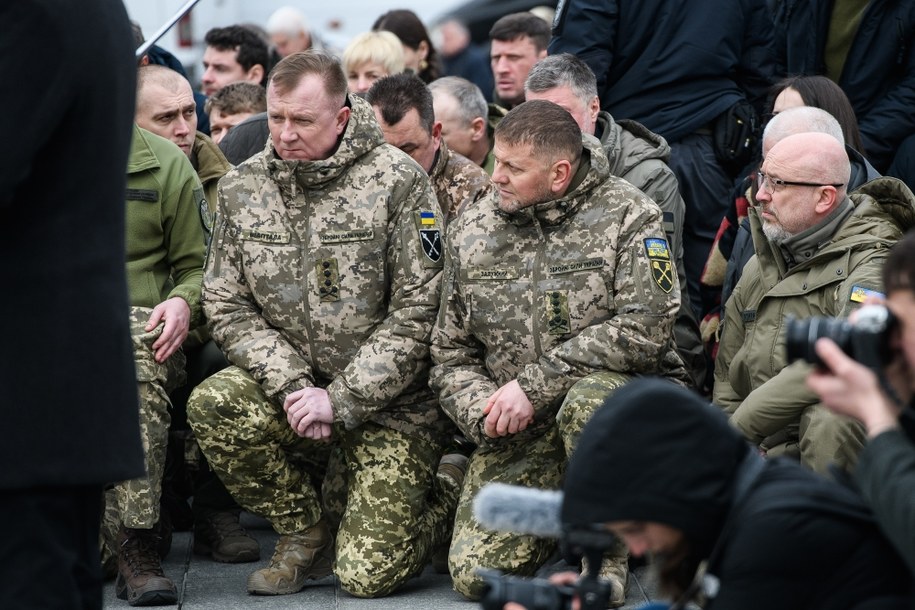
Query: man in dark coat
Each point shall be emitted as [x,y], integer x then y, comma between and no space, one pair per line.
[868,49]
[665,471]
[676,67]
[68,398]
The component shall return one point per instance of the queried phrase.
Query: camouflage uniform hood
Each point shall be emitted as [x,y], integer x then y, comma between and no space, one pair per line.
[327,273]
[554,293]
[457,181]
[593,172]
[361,135]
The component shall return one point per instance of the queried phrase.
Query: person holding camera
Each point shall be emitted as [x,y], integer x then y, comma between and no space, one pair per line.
[771,534]
[885,472]
[819,251]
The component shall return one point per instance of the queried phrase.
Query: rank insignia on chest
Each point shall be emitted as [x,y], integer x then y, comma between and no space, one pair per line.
[659,259]
[430,236]
[557,312]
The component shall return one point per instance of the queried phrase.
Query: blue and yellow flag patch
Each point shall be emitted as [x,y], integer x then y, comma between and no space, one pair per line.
[859,294]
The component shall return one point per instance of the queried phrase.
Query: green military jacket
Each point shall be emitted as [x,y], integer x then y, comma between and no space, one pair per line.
[326,273]
[553,293]
[164,224]
[457,181]
[753,380]
[211,165]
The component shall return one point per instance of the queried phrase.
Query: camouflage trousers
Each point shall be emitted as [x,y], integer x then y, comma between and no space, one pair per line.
[537,461]
[135,503]
[397,512]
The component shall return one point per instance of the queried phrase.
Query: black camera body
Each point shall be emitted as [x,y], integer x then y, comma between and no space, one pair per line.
[866,341]
[541,594]
[532,593]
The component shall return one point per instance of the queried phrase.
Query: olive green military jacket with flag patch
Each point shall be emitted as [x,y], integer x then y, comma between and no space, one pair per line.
[553,293]
[830,277]
[327,273]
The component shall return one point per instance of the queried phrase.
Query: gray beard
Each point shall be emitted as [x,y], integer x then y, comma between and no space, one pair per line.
[775,233]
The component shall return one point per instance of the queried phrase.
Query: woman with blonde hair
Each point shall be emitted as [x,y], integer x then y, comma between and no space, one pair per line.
[370,56]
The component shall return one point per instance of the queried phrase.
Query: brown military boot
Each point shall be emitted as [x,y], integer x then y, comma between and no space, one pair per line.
[451,469]
[219,533]
[297,559]
[140,578]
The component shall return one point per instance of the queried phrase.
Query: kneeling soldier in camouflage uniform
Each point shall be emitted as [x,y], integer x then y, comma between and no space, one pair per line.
[321,287]
[561,287]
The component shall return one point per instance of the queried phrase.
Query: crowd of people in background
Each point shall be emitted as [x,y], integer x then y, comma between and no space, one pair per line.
[363,283]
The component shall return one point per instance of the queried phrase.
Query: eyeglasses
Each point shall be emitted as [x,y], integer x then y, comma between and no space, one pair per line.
[774,185]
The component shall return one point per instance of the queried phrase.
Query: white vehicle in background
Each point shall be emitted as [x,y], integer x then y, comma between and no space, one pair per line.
[333,22]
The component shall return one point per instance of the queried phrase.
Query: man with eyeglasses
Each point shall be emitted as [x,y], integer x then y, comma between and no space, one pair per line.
[819,252]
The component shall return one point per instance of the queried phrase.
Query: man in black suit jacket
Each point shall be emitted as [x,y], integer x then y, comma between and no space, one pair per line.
[68,397]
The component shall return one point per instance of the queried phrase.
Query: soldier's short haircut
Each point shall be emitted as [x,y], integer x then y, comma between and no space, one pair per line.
[163,76]
[802,119]
[563,70]
[548,128]
[236,98]
[899,269]
[382,48]
[287,74]
[470,99]
[515,25]
[397,94]
[251,48]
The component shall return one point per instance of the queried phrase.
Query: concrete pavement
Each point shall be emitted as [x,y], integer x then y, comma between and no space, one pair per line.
[204,584]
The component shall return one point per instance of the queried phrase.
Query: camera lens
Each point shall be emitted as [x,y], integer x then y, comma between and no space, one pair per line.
[801,337]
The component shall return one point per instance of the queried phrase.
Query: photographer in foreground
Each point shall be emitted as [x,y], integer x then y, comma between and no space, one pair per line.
[768,533]
[885,472]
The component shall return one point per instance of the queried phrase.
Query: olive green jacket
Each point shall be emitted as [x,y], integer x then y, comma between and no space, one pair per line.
[165,224]
[753,379]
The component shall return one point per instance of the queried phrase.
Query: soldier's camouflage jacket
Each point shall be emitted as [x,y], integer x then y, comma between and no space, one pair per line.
[457,181]
[327,273]
[553,293]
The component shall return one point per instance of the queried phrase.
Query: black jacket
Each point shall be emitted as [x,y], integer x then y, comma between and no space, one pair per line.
[775,535]
[879,72]
[672,66]
[68,394]
[246,139]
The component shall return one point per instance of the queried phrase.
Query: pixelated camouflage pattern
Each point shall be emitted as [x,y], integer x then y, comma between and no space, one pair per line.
[395,510]
[457,181]
[639,156]
[551,294]
[135,503]
[539,461]
[317,276]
